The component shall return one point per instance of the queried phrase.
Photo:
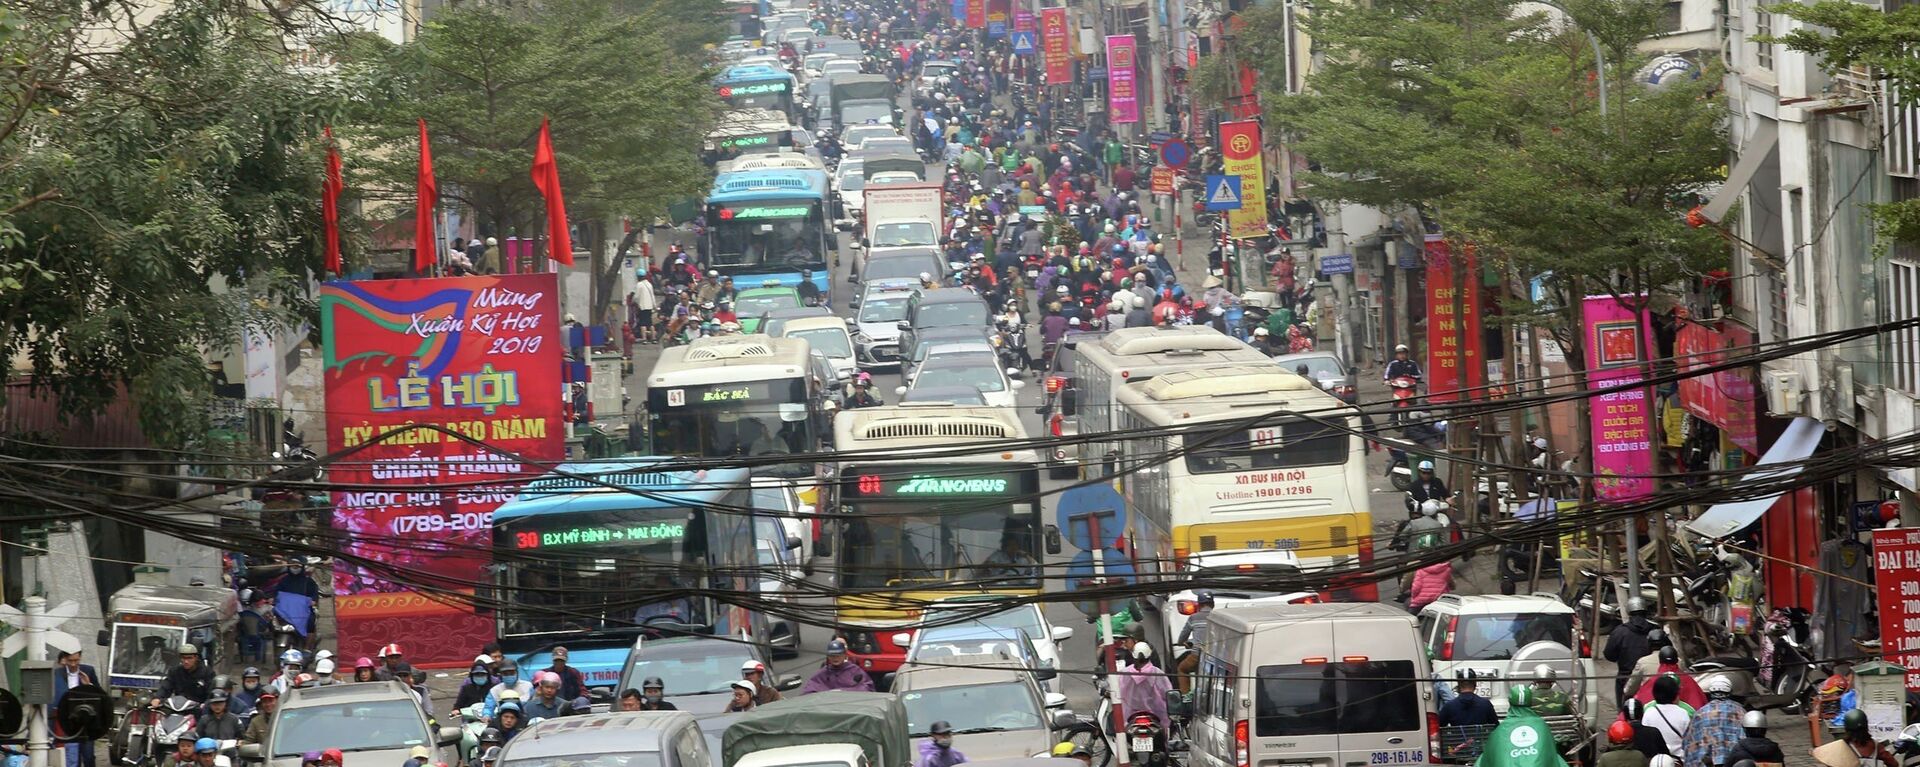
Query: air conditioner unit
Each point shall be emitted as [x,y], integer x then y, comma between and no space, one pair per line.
[1784,393]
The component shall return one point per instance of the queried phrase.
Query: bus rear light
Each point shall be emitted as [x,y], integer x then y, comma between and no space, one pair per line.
[1353,659]
[1314,661]
[1180,559]
[1246,568]
[1241,737]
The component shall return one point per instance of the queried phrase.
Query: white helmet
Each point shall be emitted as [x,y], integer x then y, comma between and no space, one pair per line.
[1544,673]
[1430,507]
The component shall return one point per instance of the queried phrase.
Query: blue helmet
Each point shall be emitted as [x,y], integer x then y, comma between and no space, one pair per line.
[206,746]
[292,658]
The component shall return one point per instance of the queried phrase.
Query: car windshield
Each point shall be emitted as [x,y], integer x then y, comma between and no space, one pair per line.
[973,708]
[1024,618]
[860,133]
[1497,637]
[829,341]
[950,394]
[705,675]
[905,233]
[366,726]
[748,305]
[1317,367]
[895,268]
[1336,699]
[143,650]
[983,375]
[888,309]
[947,315]
[621,759]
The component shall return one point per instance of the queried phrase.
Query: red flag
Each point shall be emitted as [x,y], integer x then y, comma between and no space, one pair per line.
[546,176]
[425,249]
[330,189]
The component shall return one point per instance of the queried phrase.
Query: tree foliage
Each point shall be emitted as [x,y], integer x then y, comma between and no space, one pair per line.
[625,84]
[158,186]
[1849,34]
[1485,119]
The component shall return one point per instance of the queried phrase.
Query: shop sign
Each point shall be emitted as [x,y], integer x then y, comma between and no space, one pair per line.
[1622,421]
[1896,561]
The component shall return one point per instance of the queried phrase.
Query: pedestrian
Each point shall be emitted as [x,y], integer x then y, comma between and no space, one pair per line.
[1627,644]
[937,750]
[73,673]
[836,673]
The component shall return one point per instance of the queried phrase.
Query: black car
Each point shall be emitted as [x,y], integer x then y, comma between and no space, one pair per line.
[941,308]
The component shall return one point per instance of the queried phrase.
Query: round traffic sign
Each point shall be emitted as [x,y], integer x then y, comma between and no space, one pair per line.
[1175,153]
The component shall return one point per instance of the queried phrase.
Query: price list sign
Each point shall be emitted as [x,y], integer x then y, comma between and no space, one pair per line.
[1896,564]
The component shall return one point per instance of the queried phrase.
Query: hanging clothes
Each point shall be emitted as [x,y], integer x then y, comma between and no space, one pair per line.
[1840,604]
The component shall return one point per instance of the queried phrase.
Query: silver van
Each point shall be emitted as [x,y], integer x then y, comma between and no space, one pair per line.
[614,739]
[1312,685]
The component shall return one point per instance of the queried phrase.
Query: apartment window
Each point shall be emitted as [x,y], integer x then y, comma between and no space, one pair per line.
[1670,19]
[1776,286]
[1762,27]
[1903,302]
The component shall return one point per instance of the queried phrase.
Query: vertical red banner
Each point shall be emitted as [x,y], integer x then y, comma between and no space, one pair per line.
[476,356]
[1022,19]
[976,14]
[1123,103]
[1621,421]
[1454,359]
[1056,42]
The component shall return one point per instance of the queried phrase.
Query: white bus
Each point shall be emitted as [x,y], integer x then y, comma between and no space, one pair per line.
[928,517]
[1130,355]
[1290,482]
[740,396]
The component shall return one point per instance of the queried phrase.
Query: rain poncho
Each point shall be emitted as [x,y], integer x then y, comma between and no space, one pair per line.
[1522,740]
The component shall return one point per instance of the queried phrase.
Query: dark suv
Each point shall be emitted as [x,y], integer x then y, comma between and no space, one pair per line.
[941,308]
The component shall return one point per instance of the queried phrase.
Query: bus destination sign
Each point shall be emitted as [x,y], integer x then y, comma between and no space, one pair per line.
[943,482]
[589,535]
[753,89]
[764,211]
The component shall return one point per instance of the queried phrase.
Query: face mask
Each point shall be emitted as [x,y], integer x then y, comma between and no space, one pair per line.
[478,678]
[511,677]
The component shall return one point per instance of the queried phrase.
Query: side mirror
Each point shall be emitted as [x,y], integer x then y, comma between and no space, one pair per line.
[450,735]
[1176,704]
[899,391]
[103,638]
[1045,674]
[1062,633]
[789,682]
[902,639]
[903,326]
[1064,720]
[252,752]
[1057,700]
[793,542]
[1016,383]
[1013,372]
[1053,546]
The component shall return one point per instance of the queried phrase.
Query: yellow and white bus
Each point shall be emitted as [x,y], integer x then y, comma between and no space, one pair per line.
[1101,368]
[1290,482]
[926,518]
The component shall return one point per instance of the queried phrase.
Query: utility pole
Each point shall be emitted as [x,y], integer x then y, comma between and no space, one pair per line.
[1342,283]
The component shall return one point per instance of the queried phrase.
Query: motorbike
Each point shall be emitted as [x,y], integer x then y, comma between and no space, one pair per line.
[1405,388]
[1794,674]
[1906,748]
[1146,742]
[1030,266]
[1431,437]
[177,717]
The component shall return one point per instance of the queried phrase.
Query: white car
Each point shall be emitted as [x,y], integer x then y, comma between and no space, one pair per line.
[1029,618]
[892,143]
[1505,637]
[854,138]
[883,304]
[1256,564]
[828,336]
[980,370]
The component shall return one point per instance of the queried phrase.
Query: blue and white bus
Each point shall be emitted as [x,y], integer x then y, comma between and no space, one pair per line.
[758,86]
[573,552]
[770,224]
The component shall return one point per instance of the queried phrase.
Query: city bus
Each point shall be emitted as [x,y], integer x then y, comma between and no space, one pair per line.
[579,541]
[758,86]
[753,130]
[744,396]
[770,224]
[743,19]
[935,506]
[1130,355]
[1295,483]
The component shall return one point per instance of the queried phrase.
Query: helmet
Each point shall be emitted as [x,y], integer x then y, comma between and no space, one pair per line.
[1142,651]
[303,680]
[1398,348]
[1663,760]
[1063,749]
[491,755]
[941,727]
[1429,507]
[288,658]
[1426,466]
[188,649]
[507,666]
[1657,638]
[206,746]
[490,735]
[310,756]
[363,663]
[217,696]
[1669,655]
[1519,696]
[1203,596]
[1621,732]
[251,671]
[507,705]
[1719,686]
[1544,673]
[324,667]
[390,651]
[653,683]
[1636,606]
[1854,721]
[1754,720]
[752,665]
[864,378]
[333,755]
[1136,632]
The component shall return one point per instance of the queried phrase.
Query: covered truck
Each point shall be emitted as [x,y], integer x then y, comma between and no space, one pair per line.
[901,217]
[861,99]
[874,721]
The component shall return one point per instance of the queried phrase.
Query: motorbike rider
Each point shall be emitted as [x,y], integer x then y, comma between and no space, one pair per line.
[507,718]
[742,699]
[1856,746]
[837,673]
[1521,726]
[1648,665]
[1716,726]
[1622,753]
[546,701]
[247,698]
[756,672]
[1263,343]
[262,722]
[1755,746]
[1143,687]
[863,395]
[655,690]
[1628,644]
[1402,364]
[190,678]
[1689,695]
[1467,709]
[1667,717]
[1426,486]
[363,670]
[809,292]
[182,755]
[205,750]
[510,682]
[479,682]
[218,723]
[938,750]
[573,684]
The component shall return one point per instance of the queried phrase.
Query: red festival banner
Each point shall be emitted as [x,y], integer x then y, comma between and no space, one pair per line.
[477,356]
[1454,358]
[1123,104]
[1056,42]
[1622,421]
[976,14]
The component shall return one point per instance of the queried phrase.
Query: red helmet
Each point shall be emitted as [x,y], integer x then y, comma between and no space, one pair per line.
[390,651]
[1620,732]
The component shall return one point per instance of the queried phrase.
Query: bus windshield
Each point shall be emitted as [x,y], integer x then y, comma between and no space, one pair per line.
[572,570]
[1288,445]
[749,418]
[785,233]
[776,95]
[933,524]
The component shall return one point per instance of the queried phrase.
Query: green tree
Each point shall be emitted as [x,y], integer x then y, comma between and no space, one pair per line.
[624,82]
[159,187]
[1485,119]
[1848,34]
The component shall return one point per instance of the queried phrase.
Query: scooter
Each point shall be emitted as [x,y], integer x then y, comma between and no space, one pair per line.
[1146,741]
[178,716]
[1405,388]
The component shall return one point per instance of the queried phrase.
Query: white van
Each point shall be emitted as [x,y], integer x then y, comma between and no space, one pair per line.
[1313,685]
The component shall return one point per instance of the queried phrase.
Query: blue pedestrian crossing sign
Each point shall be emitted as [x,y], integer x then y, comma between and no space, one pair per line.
[1223,192]
[1026,42]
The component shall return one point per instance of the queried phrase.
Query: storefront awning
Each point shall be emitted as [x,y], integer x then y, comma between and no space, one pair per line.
[1794,445]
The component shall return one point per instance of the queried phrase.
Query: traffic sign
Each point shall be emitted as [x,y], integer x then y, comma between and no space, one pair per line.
[1336,263]
[1114,569]
[1162,179]
[1175,153]
[1025,42]
[1223,192]
[1099,502]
